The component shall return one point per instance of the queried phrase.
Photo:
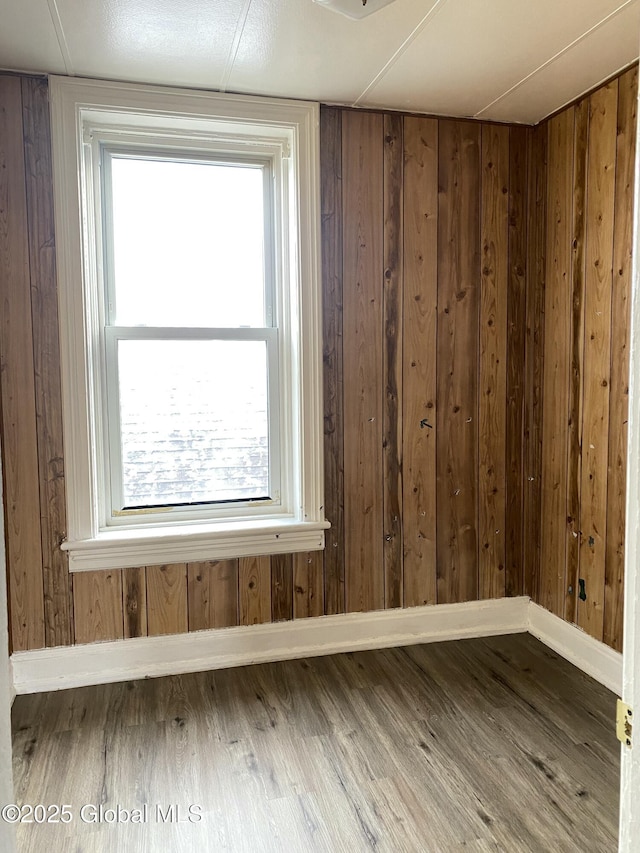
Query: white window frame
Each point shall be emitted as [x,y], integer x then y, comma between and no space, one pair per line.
[87,118]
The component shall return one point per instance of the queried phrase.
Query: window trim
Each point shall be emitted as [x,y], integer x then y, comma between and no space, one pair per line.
[166,114]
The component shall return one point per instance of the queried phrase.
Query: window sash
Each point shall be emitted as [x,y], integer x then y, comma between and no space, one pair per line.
[115,515]
[103,154]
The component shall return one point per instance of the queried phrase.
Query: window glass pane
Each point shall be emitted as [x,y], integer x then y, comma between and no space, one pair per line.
[194,421]
[188,243]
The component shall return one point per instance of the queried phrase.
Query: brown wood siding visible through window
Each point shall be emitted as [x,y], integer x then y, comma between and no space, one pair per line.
[476,282]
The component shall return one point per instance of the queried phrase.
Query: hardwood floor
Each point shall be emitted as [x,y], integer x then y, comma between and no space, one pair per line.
[480,745]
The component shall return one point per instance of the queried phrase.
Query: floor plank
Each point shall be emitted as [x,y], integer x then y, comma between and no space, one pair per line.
[492,744]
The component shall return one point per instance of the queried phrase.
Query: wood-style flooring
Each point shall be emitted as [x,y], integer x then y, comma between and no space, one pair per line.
[478,745]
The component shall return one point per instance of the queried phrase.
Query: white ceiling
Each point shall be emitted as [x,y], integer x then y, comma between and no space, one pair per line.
[510,60]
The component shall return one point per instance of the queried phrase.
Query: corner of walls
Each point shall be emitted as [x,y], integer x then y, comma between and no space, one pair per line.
[149,657]
[573,644]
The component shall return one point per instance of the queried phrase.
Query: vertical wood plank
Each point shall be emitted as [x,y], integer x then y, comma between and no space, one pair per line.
[167,599]
[58,605]
[282,586]
[362,188]
[457,379]
[576,374]
[534,357]
[17,391]
[557,359]
[392,360]
[134,602]
[493,361]
[601,176]
[516,334]
[212,594]
[331,204]
[419,359]
[224,584]
[97,604]
[620,321]
[307,584]
[199,595]
[254,581]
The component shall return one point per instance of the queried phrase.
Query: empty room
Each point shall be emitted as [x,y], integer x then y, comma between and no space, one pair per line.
[319,426]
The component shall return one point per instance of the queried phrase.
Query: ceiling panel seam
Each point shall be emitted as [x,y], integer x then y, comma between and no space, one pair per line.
[60,36]
[555,57]
[433,11]
[235,45]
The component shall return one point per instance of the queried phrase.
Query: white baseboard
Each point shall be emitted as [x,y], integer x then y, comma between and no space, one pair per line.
[148,657]
[572,643]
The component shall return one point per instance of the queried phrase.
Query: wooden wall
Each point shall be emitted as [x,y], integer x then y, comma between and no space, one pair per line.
[424,254]
[467,273]
[586,280]
[424,372]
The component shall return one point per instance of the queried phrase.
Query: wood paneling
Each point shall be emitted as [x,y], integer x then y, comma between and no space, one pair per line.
[586,330]
[392,425]
[534,358]
[362,189]
[603,107]
[58,602]
[19,435]
[97,598]
[419,363]
[382,235]
[134,602]
[167,599]
[618,401]
[212,594]
[254,584]
[282,586]
[457,360]
[576,375]
[460,285]
[307,584]
[492,395]
[331,209]
[515,379]
[557,358]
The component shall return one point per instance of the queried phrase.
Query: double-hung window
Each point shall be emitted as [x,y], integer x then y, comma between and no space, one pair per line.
[186,226]
[191,373]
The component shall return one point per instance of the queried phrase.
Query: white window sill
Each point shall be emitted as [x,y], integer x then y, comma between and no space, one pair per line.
[121,549]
